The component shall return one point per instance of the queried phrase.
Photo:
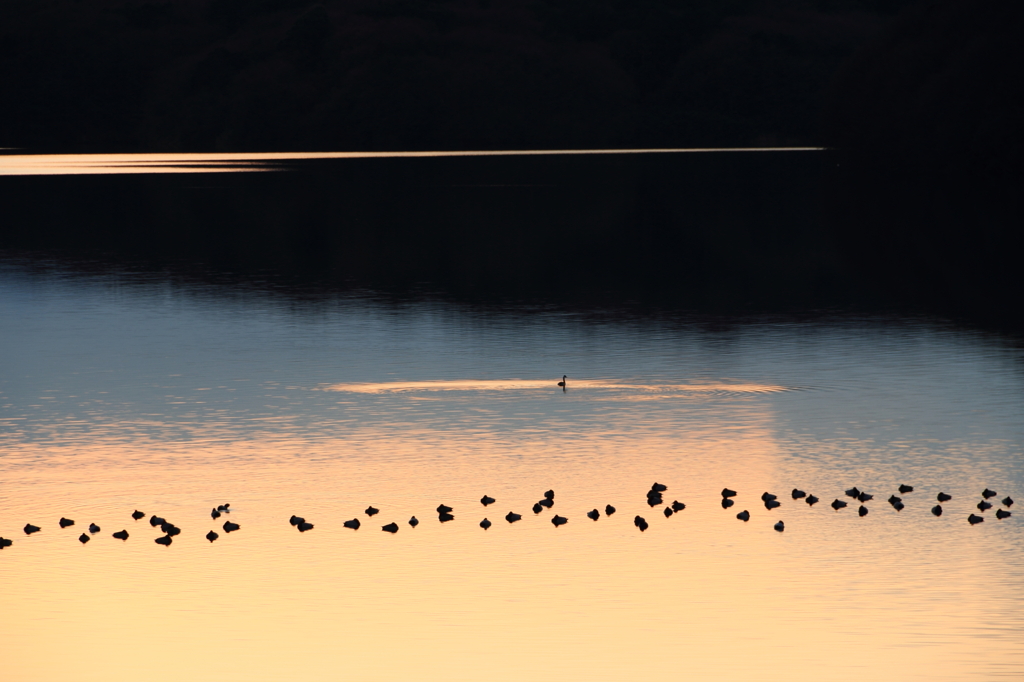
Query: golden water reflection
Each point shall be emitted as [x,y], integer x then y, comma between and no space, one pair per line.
[699,595]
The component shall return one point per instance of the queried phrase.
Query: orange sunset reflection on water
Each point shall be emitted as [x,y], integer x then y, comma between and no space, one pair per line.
[699,595]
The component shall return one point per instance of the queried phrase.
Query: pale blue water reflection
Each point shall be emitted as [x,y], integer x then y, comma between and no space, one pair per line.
[123,392]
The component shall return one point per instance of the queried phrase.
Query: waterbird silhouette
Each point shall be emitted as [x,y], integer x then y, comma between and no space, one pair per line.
[137,514]
[561,383]
[593,514]
[975,519]
[986,493]
[1008,501]
[765,497]
[156,521]
[64,523]
[659,487]
[304,526]
[353,524]
[893,500]
[654,499]
[549,495]
[93,528]
[121,535]
[862,510]
[728,493]
[771,504]
[370,511]
[83,538]
[898,506]
[4,542]
[943,497]
[230,526]
[640,522]
[812,500]
[937,510]
[547,502]
[214,514]
[838,504]
[221,507]
[743,516]
[390,528]
[1003,514]
[414,522]
[296,520]
[780,526]
[678,506]
[797,494]
[485,524]
[559,520]
[444,509]
[726,503]
[864,497]
[29,529]
[211,536]
[445,517]
[853,492]
[984,506]
[668,512]
[164,540]
[609,510]
[537,509]
[904,489]
[170,529]
[485,500]
[512,517]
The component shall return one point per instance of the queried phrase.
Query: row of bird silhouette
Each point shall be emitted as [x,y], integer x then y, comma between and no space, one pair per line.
[655,498]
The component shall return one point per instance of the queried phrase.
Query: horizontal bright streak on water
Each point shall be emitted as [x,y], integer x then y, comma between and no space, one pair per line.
[548,384]
[109,164]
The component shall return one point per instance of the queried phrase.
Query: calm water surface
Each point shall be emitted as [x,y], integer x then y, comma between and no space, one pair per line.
[118,395]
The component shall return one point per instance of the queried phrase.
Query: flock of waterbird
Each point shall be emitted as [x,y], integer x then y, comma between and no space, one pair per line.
[655,498]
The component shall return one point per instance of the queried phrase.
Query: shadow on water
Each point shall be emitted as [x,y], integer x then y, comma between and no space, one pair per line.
[733,230]
[718,233]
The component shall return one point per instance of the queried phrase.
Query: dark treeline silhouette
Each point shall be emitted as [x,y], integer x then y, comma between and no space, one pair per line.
[917,205]
[927,199]
[231,75]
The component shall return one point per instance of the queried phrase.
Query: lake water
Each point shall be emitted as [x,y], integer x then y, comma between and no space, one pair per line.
[120,393]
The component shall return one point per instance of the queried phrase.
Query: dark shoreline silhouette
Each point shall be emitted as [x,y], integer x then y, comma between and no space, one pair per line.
[915,208]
